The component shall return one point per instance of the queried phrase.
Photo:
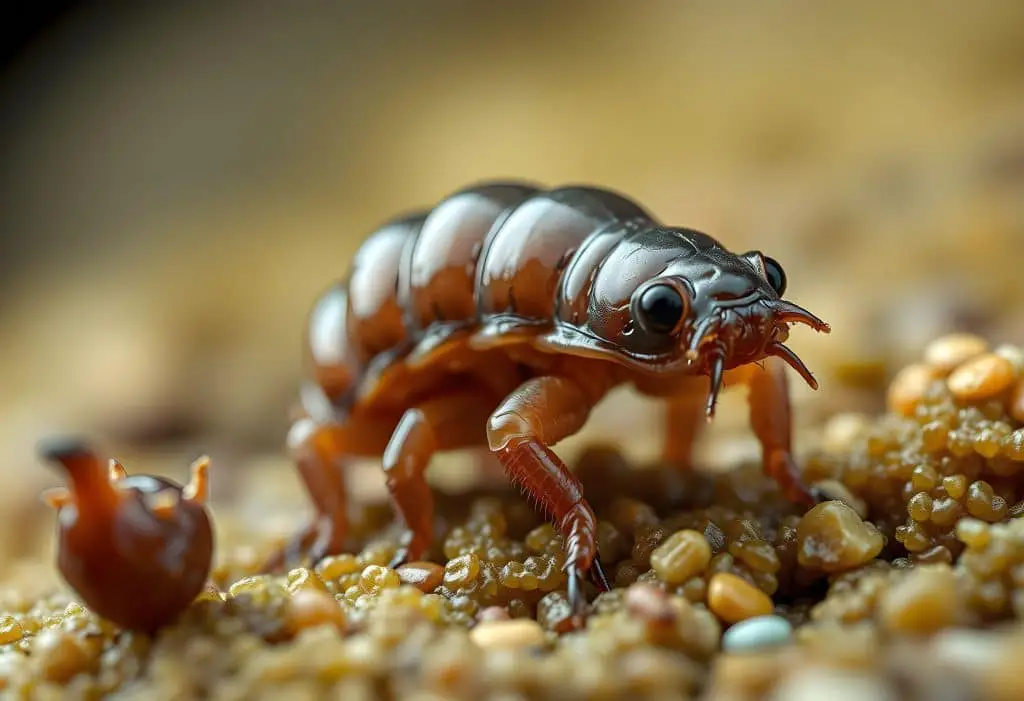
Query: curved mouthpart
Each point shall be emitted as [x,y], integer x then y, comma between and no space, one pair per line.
[789,313]
[704,334]
[707,334]
[716,371]
[780,350]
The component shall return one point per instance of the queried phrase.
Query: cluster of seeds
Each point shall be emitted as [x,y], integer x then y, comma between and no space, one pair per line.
[721,589]
[951,447]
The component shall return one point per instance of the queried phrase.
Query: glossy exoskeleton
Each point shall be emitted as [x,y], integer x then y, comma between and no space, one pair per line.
[499,318]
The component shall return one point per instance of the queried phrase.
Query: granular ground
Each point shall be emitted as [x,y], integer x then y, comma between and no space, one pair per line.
[906,583]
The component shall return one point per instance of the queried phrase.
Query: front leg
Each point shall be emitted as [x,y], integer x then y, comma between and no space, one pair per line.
[772,422]
[521,432]
[684,417]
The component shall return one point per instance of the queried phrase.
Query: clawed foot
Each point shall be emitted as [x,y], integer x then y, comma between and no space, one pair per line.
[307,547]
[821,493]
[410,549]
[781,467]
[575,592]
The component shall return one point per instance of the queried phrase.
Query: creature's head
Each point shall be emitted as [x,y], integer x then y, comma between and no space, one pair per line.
[674,300]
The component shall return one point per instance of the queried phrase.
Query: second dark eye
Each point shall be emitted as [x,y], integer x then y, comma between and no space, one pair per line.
[661,308]
[776,275]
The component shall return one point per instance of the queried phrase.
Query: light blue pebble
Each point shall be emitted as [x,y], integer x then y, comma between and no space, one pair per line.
[757,633]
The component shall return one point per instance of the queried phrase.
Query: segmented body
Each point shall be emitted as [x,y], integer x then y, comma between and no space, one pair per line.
[501,317]
[495,269]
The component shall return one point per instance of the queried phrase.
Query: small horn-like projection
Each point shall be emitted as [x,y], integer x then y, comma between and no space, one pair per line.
[56,497]
[198,487]
[116,470]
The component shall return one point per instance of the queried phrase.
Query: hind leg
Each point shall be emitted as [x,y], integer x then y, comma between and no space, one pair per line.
[321,453]
[446,423]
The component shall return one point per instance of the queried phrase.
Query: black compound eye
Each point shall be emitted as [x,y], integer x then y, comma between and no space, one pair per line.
[776,275]
[661,308]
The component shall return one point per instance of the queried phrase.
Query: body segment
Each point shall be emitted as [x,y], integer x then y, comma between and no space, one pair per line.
[500,318]
[525,256]
[443,270]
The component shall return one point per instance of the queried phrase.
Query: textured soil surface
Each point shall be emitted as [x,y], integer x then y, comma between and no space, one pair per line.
[181,188]
[907,583]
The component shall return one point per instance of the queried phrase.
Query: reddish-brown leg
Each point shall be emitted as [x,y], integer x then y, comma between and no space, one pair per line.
[521,431]
[321,453]
[684,417]
[772,422]
[450,422]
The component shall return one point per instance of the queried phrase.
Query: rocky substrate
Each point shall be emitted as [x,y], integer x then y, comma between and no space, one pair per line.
[908,583]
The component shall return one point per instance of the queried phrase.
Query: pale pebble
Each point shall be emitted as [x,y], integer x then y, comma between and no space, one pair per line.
[757,633]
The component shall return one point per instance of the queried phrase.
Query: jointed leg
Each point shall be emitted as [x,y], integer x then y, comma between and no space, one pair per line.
[539,414]
[321,453]
[683,420]
[771,420]
[446,423]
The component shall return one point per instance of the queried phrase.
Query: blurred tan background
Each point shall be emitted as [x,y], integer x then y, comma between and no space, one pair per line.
[180,182]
